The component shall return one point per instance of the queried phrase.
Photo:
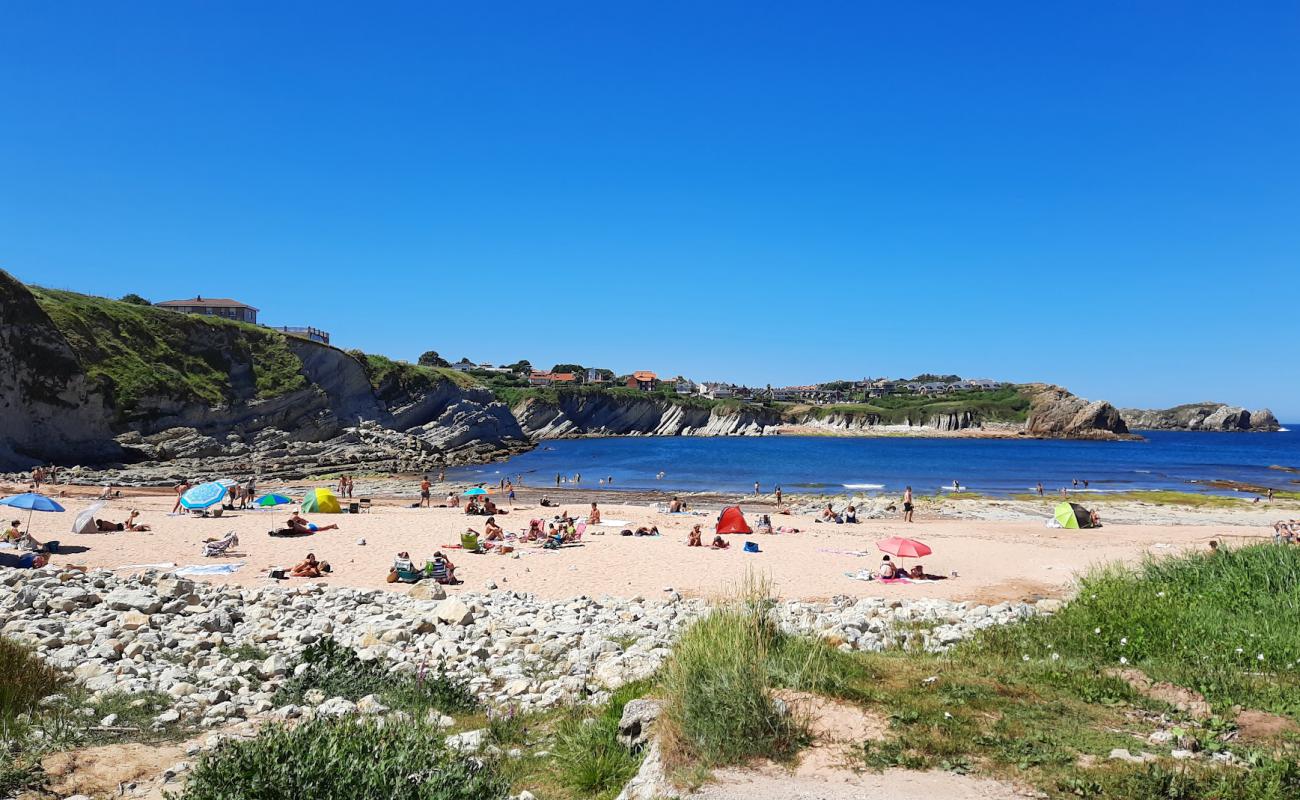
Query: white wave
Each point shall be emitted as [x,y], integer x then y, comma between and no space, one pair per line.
[863,485]
[1283,430]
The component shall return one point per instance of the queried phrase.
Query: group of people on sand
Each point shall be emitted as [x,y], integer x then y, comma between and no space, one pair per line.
[696,539]
[345,486]
[482,506]
[1286,531]
[439,568]
[131,524]
[891,571]
[829,514]
[45,475]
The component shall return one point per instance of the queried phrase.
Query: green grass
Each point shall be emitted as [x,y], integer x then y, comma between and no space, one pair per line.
[587,760]
[339,672]
[1155,497]
[27,679]
[136,353]
[344,760]
[1223,624]
[1002,405]
[554,395]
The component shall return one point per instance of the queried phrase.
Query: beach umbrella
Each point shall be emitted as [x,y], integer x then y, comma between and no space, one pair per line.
[269,500]
[904,548]
[30,501]
[85,522]
[477,490]
[204,495]
[321,501]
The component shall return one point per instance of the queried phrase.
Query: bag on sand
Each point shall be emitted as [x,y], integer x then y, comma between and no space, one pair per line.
[751,547]
[392,576]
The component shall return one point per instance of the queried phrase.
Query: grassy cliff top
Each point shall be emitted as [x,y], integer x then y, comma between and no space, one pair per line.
[1002,405]
[133,352]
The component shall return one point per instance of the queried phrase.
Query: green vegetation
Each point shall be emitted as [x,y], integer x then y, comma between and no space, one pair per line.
[339,672]
[513,396]
[1223,624]
[586,757]
[1161,497]
[1008,404]
[344,759]
[134,353]
[26,680]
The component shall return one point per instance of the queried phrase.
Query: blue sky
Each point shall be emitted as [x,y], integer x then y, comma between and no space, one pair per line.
[1104,195]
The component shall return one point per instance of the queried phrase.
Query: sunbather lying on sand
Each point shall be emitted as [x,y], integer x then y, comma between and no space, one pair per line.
[719,543]
[300,525]
[311,568]
[647,530]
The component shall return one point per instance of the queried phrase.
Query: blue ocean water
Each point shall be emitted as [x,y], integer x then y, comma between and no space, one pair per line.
[1165,460]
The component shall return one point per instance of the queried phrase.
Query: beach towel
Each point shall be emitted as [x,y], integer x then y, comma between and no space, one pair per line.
[162,565]
[854,553]
[209,569]
[614,523]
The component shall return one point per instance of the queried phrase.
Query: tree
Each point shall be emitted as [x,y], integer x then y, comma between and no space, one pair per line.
[432,359]
[577,369]
[135,299]
[522,366]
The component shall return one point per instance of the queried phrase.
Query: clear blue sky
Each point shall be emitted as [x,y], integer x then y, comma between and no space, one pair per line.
[1104,195]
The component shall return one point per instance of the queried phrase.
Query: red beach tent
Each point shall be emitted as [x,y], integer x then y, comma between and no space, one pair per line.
[732,520]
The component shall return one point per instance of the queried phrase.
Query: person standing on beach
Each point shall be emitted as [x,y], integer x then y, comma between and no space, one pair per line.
[424,492]
[557,479]
[1040,488]
[1085,483]
[577,478]
[1076,483]
[755,487]
[510,493]
[907,504]
[181,488]
[442,475]
[778,497]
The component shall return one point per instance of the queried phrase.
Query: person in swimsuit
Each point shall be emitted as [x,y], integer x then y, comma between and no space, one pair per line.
[693,538]
[594,517]
[424,492]
[907,504]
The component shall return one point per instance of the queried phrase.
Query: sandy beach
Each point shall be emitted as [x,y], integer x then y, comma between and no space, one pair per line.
[999,550]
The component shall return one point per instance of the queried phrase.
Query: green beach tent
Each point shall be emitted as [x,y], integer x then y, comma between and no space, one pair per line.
[1072,515]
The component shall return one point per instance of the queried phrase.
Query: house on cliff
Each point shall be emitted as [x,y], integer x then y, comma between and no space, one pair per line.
[213,307]
[644,380]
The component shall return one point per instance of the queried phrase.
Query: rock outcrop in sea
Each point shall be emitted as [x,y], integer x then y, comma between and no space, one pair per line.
[1201,417]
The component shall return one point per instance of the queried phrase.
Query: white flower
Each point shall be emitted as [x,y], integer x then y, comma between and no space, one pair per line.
[1259,656]
[1240,651]
[1096,630]
[946,715]
[1123,660]
[1160,594]
[1123,640]
[1056,656]
[1024,658]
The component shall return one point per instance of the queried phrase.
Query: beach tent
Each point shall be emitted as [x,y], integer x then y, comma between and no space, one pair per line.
[1072,515]
[732,520]
[85,522]
[321,501]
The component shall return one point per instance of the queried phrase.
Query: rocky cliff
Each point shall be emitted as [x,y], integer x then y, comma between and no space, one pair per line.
[1051,412]
[92,381]
[1201,417]
[1055,412]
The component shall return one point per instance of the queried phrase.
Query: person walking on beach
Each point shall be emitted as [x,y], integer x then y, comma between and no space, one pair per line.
[778,497]
[755,487]
[577,478]
[510,493]
[557,479]
[442,475]
[424,492]
[181,488]
[907,504]
[1040,488]
[1270,494]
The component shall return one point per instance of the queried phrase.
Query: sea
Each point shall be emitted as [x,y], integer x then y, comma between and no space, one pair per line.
[1163,460]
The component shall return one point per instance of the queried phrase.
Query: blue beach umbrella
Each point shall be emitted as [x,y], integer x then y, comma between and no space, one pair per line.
[30,501]
[477,490]
[204,495]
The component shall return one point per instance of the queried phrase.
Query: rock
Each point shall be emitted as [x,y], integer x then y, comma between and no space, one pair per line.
[336,707]
[274,666]
[133,600]
[651,780]
[469,742]
[1049,605]
[427,590]
[370,705]
[133,620]
[453,612]
[1121,754]
[634,727]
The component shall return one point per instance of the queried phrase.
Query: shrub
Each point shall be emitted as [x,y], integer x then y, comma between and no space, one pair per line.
[344,760]
[26,680]
[586,756]
[338,672]
[719,707]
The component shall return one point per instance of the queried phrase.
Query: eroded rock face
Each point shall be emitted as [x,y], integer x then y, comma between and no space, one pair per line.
[48,409]
[1055,412]
[1201,417]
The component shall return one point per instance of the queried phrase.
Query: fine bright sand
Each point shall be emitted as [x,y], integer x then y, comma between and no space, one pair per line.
[995,560]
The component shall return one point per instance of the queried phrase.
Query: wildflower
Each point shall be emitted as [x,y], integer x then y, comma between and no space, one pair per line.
[1123,640]
[1160,594]
[1024,658]
[1240,651]
[1123,660]
[1096,630]
[1259,656]
[946,715]
[1056,656]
